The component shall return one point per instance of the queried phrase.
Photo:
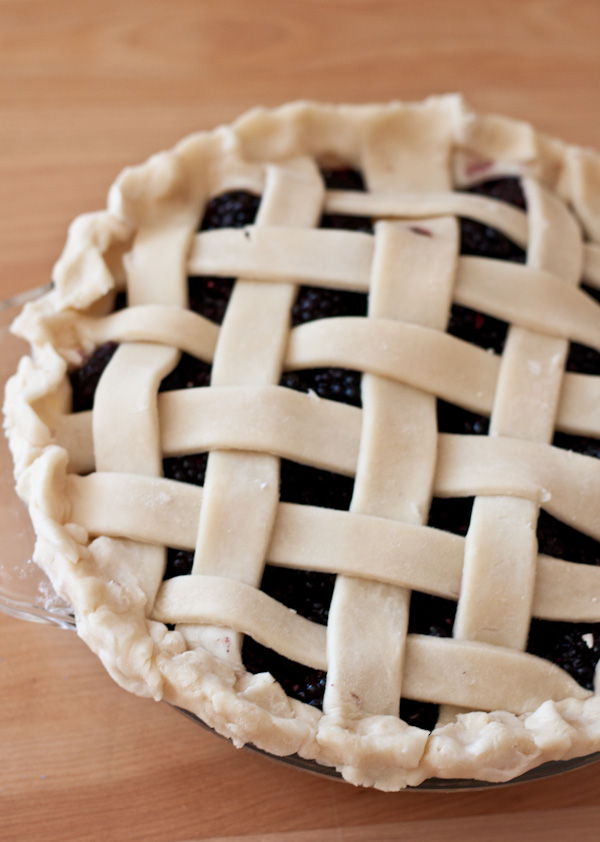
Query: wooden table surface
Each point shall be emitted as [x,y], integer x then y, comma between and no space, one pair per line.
[87,87]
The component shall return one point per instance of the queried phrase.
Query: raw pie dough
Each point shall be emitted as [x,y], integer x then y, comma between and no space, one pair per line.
[104,514]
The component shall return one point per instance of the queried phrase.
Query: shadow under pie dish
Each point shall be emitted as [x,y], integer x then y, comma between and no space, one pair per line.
[309,437]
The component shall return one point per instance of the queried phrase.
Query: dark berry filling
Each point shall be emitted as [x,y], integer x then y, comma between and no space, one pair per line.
[189,373]
[84,380]
[233,209]
[345,178]
[482,240]
[335,384]
[207,295]
[210,296]
[455,419]
[580,444]
[179,563]
[557,539]
[309,486]
[308,593]
[451,514]
[583,359]
[575,647]
[190,469]
[479,329]
[314,303]
[299,681]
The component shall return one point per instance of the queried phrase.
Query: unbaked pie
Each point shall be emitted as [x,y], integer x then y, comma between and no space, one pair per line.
[309,437]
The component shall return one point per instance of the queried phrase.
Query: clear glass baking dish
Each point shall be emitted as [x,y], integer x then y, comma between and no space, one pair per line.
[26,593]
[24,590]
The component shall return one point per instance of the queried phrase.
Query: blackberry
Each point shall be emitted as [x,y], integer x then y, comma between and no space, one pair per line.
[232,209]
[482,240]
[419,714]
[300,682]
[318,303]
[429,615]
[343,178]
[432,615]
[191,469]
[557,539]
[120,301]
[362,224]
[505,188]
[581,358]
[84,380]
[580,444]
[314,487]
[307,592]
[179,563]
[210,296]
[314,303]
[189,373]
[335,384]
[574,647]
[455,419]
[452,514]
[477,328]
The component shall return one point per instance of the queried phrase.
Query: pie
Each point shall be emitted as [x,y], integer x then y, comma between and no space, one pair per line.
[309,436]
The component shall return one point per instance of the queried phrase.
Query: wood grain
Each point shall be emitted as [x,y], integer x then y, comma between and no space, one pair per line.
[89,87]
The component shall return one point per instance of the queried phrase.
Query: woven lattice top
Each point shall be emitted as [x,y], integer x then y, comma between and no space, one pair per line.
[105,513]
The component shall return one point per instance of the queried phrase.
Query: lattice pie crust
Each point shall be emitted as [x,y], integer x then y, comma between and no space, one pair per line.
[104,513]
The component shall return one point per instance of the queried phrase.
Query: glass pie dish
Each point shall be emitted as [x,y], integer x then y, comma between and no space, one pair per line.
[26,592]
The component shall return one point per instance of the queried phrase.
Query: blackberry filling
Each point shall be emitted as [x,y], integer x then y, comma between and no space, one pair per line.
[309,486]
[575,647]
[315,303]
[299,681]
[334,384]
[84,380]
[179,563]
[479,329]
[580,444]
[189,373]
[207,295]
[482,240]
[345,178]
[308,593]
[455,419]
[582,359]
[210,296]
[451,514]
[318,303]
[232,209]
[557,539]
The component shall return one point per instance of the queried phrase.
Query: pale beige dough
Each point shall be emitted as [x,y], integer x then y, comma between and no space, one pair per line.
[104,514]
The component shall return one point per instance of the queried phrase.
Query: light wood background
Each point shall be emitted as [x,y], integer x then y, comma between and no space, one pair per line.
[88,86]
